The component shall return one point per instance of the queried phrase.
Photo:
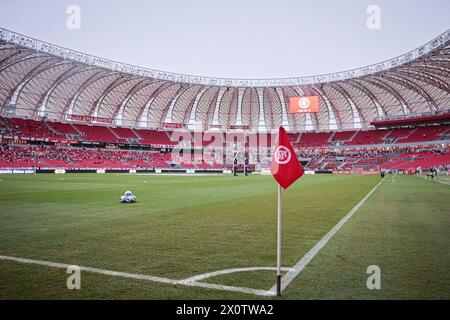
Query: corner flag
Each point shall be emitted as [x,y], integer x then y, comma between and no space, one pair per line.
[285,168]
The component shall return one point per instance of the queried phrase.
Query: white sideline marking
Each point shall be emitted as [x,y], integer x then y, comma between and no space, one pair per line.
[191,282]
[89,269]
[199,174]
[303,262]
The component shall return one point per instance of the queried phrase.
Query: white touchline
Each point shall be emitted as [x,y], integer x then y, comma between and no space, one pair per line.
[191,282]
[89,269]
[301,264]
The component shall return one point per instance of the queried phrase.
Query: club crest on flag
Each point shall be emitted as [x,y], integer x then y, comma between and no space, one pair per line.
[285,166]
[282,155]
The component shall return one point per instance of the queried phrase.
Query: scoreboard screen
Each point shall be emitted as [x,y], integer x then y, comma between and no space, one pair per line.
[305,104]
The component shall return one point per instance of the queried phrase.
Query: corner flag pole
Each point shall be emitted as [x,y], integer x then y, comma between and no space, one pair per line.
[279,243]
[285,168]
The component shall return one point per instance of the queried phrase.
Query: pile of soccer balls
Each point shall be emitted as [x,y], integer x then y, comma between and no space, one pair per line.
[128,197]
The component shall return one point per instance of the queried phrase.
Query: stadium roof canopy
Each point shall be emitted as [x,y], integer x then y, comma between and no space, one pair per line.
[38,79]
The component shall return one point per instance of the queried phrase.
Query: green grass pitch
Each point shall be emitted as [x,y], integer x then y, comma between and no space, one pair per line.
[189,225]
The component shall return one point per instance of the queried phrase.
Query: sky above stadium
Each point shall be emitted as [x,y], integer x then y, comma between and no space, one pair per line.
[233,38]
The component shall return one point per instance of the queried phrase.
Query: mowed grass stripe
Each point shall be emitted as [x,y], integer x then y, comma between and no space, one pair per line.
[182,226]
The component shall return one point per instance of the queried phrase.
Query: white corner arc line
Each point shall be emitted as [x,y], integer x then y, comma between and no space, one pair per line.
[234,270]
[184,282]
[303,262]
[257,292]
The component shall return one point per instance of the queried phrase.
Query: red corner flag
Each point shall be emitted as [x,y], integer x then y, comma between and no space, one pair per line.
[285,166]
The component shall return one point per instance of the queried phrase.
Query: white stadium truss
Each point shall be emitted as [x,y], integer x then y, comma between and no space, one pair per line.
[38,79]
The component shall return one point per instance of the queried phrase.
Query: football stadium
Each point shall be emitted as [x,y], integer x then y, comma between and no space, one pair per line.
[119,181]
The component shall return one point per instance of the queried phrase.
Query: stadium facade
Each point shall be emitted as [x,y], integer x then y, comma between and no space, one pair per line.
[65,110]
[41,80]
